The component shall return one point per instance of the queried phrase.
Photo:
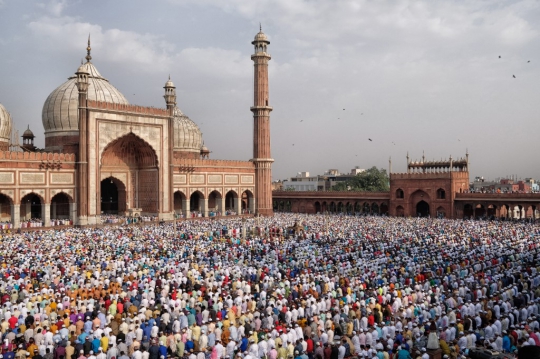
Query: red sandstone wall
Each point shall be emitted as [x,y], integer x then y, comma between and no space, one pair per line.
[64,142]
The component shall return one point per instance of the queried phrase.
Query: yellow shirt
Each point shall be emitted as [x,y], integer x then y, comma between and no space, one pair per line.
[105,343]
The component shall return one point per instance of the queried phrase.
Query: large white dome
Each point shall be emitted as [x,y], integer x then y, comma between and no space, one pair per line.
[6,124]
[60,111]
[187,135]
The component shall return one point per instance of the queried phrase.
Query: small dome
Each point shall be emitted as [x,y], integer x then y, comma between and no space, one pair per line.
[204,149]
[83,69]
[169,83]
[261,37]
[28,133]
[6,124]
[60,111]
[187,135]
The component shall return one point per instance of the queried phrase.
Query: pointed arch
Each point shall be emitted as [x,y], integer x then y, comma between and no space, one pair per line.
[32,206]
[134,156]
[61,206]
[196,201]
[5,208]
[179,199]
[248,202]
[214,201]
[129,150]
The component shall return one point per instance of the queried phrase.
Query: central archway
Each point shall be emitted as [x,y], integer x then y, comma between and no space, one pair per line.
[422,209]
[135,161]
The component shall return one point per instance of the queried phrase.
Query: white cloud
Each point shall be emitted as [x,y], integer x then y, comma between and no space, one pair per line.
[53,7]
[142,52]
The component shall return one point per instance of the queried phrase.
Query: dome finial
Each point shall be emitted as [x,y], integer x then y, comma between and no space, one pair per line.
[260,27]
[88,49]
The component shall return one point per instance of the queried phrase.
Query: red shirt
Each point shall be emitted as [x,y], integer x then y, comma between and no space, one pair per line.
[371,320]
[13,322]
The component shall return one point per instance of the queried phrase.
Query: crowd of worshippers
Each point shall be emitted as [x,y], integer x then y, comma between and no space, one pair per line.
[289,287]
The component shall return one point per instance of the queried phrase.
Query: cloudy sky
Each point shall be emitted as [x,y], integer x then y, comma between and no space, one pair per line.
[433,76]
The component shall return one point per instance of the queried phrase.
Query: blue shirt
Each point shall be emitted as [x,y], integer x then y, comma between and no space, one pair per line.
[96,343]
[163,351]
[244,345]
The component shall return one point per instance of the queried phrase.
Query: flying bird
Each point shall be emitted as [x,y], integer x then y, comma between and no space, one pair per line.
[301,120]
[528,61]
[293,144]
[459,140]
[370,139]
[514,76]
[499,56]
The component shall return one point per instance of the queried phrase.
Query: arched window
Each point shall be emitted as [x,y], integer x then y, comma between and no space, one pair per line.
[441,194]
[399,193]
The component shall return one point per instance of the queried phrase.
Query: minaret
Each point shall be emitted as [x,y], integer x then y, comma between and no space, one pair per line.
[170,95]
[170,100]
[261,129]
[82,175]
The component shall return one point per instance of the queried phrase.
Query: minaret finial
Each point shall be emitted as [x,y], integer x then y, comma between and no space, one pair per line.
[88,49]
[260,27]
[169,76]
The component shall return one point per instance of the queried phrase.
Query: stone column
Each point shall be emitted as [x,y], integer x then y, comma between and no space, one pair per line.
[16,215]
[185,207]
[46,214]
[252,205]
[53,210]
[28,212]
[221,205]
[73,211]
[237,205]
[204,209]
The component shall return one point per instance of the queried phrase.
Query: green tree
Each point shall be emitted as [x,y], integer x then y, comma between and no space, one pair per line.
[371,180]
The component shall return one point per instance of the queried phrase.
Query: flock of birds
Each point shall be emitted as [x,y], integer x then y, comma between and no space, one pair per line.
[514,76]
[370,140]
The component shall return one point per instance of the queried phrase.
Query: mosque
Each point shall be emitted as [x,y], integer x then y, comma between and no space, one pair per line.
[104,155]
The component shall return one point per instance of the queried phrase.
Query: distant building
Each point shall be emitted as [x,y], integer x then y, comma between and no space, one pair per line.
[277,186]
[503,185]
[304,182]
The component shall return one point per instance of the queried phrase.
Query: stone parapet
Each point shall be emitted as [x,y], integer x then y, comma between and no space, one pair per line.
[36,156]
[127,109]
